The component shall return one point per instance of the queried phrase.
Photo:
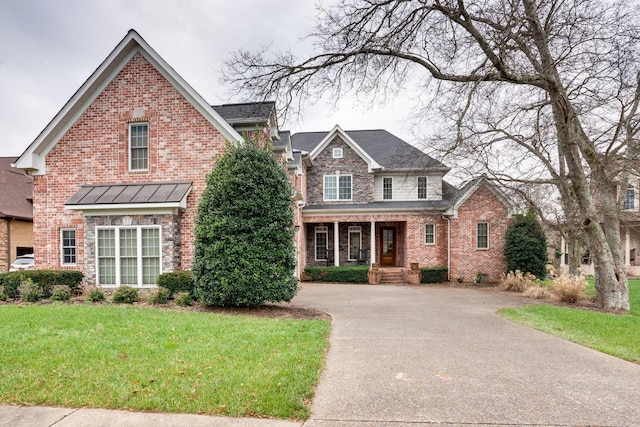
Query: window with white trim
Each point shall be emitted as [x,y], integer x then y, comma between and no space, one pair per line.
[482,235]
[337,153]
[68,246]
[430,234]
[138,146]
[128,255]
[422,187]
[321,243]
[630,198]
[337,187]
[355,242]
[387,188]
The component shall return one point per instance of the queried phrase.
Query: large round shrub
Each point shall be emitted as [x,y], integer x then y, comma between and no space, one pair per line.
[244,250]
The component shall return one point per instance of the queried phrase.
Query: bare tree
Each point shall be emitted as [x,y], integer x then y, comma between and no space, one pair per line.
[546,88]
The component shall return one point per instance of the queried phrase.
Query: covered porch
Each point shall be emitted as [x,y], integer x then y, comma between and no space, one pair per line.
[355,242]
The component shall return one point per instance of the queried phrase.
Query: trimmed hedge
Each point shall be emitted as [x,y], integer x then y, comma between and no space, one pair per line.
[45,279]
[344,274]
[433,275]
[176,282]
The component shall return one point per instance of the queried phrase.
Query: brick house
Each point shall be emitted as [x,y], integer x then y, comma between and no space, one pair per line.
[16,213]
[369,197]
[118,172]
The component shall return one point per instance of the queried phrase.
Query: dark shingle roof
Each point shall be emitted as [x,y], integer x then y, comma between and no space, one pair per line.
[16,191]
[284,136]
[115,194]
[386,149]
[246,113]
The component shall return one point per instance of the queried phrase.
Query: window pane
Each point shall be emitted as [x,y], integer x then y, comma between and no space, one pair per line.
[345,187]
[629,200]
[429,234]
[483,235]
[330,187]
[354,244]
[128,242]
[150,242]
[150,270]
[139,141]
[387,188]
[128,271]
[106,257]
[422,187]
[321,245]
[68,246]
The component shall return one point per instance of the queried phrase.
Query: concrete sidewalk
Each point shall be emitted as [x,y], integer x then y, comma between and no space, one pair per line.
[411,356]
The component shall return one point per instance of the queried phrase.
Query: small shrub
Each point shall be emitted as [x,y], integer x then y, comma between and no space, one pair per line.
[569,288]
[183,299]
[518,281]
[536,292]
[176,281]
[433,275]
[3,296]
[29,291]
[96,295]
[126,295]
[343,274]
[160,296]
[61,293]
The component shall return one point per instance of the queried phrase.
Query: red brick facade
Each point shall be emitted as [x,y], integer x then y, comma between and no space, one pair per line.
[95,150]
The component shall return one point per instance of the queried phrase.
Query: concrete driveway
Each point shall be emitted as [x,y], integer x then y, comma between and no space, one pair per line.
[425,355]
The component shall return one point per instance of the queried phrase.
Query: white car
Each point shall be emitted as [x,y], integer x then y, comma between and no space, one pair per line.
[23,262]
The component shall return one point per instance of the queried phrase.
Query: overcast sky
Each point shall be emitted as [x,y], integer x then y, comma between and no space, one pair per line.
[48,48]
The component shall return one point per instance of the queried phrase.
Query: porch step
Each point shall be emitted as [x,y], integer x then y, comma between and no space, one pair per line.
[392,277]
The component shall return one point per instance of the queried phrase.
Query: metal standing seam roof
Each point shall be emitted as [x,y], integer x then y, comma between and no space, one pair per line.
[123,194]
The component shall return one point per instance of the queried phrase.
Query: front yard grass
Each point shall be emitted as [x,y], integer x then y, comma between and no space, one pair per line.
[146,359]
[617,335]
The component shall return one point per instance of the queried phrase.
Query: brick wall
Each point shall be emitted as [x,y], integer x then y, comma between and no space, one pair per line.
[466,259]
[350,164]
[182,146]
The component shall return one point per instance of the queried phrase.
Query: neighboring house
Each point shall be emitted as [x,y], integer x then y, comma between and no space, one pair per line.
[16,213]
[118,172]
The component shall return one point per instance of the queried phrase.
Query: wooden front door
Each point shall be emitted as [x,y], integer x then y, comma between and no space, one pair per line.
[388,246]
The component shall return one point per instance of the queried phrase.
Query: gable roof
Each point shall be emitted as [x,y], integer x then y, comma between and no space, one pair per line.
[33,159]
[385,149]
[465,192]
[16,191]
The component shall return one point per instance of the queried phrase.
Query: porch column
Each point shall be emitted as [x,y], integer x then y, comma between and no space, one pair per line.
[373,242]
[336,244]
[627,244]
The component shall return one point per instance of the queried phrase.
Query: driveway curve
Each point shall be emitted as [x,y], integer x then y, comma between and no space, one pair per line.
[403,355]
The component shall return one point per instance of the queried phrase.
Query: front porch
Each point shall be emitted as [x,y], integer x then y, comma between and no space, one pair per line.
[354,243]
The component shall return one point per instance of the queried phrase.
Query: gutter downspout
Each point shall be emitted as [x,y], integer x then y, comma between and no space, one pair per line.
[448,246]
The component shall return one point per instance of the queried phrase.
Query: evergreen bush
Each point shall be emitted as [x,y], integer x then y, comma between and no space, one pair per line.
[433,274]
[244,249]
[176,281]
[126,295]
[342,274]
[525,247]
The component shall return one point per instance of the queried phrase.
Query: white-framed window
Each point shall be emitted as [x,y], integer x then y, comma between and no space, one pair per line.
[128,255]
[337,153]
[355,242]
[630,198]
[138,146]
[68,246]
[482,235]
[430,233]
[387,188]
[337,187]
[422,187]
[321,243]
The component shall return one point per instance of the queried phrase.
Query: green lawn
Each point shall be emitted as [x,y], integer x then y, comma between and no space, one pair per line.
[148,359]
[618,335]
